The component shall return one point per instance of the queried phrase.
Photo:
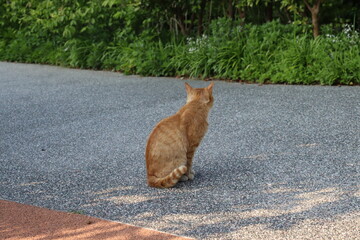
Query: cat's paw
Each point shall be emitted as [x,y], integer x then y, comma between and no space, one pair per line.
[183,178]
[191,175]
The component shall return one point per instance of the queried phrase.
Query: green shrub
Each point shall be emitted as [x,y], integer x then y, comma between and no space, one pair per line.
[271,52]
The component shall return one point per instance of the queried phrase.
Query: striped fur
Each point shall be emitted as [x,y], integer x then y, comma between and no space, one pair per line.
[168,181]
[172,143]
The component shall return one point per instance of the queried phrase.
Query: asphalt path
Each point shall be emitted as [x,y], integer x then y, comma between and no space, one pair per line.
[278,162]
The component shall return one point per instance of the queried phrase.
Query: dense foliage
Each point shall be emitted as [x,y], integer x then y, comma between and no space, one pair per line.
[258,41]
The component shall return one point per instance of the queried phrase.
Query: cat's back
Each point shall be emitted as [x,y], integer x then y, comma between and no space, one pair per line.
[165,126]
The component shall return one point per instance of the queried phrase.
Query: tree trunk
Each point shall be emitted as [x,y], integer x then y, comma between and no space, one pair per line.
[182,27]
[315,9]
[230,10]
[315,22]
[269,12]
[180,18]
[242,16]
[201,17]
[192,20]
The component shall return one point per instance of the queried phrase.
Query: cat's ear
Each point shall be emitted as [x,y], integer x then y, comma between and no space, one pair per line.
[210,87]
[188,87]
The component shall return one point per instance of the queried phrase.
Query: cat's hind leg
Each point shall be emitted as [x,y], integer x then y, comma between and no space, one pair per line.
[187,176]
[190,174]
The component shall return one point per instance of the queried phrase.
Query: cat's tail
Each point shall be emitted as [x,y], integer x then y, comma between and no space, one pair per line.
[168,181]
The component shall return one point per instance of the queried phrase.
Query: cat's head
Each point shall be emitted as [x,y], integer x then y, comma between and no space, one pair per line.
[203,95]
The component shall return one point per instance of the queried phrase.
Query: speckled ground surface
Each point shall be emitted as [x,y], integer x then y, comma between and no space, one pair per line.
[278,162]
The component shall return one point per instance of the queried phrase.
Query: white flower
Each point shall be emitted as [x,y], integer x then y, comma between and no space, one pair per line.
[192,49]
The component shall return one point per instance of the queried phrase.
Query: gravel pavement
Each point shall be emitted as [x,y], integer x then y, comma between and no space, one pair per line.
[278,162]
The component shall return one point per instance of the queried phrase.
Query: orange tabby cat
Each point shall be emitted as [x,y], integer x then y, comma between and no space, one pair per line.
[172,143]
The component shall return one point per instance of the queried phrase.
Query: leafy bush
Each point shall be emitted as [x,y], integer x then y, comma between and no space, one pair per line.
[114,36]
